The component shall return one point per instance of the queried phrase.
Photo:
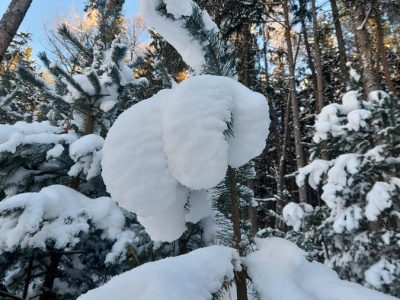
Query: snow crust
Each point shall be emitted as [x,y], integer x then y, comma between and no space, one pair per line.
[162,148]
[196,276]
[172,30]
[59,215]
[279,270]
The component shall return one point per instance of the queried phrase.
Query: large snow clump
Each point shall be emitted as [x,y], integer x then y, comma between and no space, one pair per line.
[180,140]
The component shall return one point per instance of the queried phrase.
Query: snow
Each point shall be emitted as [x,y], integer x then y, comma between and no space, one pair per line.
[165,146]
[196,276]
[315,170]
[279,270]
[379,198]
[179,8]
[22,133]
[327,122]
[380,273]
[55,152]
[201,108]
[61,215]
[350,101]
[292,215]
[172,30]
[86,153]
[377,96]
[85,145]
[332,117]
[356,119]
[337,176]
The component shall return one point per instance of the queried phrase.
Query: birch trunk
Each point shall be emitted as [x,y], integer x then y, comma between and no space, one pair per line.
[10,22]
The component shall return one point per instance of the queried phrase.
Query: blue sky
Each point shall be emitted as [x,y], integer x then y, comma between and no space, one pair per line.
[46,10]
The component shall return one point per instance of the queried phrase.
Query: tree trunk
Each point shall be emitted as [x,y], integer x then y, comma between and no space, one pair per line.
[381,53]
[340,42]
[50,276]
[317,56]
[310,59]
[363,41]
[240,277]
[27,277]
[10,22]
[294,105]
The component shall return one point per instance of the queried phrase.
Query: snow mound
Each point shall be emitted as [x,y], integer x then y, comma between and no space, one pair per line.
[279,270]
[196,276]
[59,215]
[177,141]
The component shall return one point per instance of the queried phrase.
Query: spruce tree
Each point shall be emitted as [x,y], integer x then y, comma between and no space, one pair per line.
[360,188]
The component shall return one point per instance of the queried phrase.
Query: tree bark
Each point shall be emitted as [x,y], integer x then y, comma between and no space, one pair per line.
[340,42]
[27,277]
[10,22]
[240,277]
[317,56]
[381,53]
[50,276]
[369,75]
[310,59]
[293,97]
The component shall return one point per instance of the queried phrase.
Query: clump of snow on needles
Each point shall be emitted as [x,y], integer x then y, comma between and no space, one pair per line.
[195,276]
[177,141]
[60,215]
[293,214]
[172,30]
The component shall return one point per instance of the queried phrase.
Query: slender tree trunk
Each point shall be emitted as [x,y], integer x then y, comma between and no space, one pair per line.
[50,276]
[317,56]
[310,60]
[240,277]
[381,53]
[340,42]
[27,277]
[293,96]
[10,22]
[363,41]
[282,158]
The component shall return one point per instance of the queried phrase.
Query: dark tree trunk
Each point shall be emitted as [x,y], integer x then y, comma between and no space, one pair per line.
[300,160]
[363,41]
[317,56]
[340,42]
[381,53]
[50,276]
[240,277]
[10,22]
